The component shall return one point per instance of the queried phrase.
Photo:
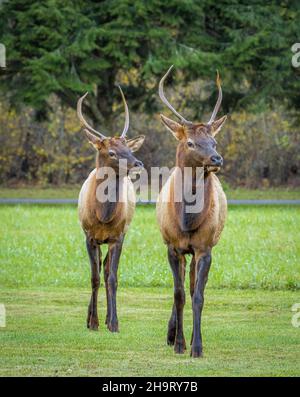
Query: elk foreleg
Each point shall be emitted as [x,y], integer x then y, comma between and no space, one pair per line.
[115,250]
[203,265]
[192,282]
[172,322]
[106,274]
[177,263]
[95,261]
[172,327]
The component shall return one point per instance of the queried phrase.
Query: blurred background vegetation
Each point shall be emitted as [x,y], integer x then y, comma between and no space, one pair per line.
[56,50]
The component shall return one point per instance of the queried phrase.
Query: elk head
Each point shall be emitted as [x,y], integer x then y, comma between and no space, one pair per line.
[197,140]
[110,150]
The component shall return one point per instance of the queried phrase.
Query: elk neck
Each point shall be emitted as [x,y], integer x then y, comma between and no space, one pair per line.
[188,221]
[107,211]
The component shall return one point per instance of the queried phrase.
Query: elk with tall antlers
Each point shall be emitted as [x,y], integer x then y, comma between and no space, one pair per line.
[191,233]
[106,221]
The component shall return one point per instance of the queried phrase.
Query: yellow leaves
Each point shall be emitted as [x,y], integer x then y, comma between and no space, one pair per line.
[258,149]
[40,151]
[72,124]
[19,151]
[231,149]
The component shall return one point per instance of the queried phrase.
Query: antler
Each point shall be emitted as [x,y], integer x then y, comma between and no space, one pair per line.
[165,101]
[218,104]
[90,128]
[83,121]
[126,124]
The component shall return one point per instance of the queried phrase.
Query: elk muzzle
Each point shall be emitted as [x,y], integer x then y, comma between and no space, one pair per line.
[216,160]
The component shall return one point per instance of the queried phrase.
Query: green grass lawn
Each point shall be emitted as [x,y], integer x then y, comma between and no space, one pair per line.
[71,192]
[44,246]
[45,284]
[263,194]
[245,333]
[41,193]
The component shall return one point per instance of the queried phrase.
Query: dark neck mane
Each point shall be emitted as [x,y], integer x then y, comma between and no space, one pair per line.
[108,210]
[189,222]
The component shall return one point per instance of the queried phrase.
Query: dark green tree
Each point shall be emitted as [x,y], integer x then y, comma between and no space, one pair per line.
[67,47]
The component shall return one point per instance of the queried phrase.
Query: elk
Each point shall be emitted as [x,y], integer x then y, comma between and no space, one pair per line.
[191,233]
[106,222]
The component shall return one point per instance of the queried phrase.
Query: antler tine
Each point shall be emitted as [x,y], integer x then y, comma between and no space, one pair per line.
[219,100]
[166,102]
[126,124]
[83,121]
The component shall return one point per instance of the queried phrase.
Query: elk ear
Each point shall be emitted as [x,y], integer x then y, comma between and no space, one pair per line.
[217,125]
[135,143]
[176,128]
[94,140]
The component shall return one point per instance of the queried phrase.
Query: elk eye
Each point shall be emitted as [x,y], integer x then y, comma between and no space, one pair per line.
[190,144]
[111,153]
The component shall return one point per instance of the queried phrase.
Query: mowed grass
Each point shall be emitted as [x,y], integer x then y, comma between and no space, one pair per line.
[245,333]
[45,286]
[44,246]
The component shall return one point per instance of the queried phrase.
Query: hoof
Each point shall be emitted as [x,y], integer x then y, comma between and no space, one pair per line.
[179,347]
[113,327]
[196,352]
[93,325]
[171,338]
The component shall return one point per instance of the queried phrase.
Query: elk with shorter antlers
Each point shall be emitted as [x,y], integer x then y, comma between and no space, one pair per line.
[106,222]
[191,233]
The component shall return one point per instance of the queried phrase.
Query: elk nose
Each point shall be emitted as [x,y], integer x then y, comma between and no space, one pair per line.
[139,164]
[216,160]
